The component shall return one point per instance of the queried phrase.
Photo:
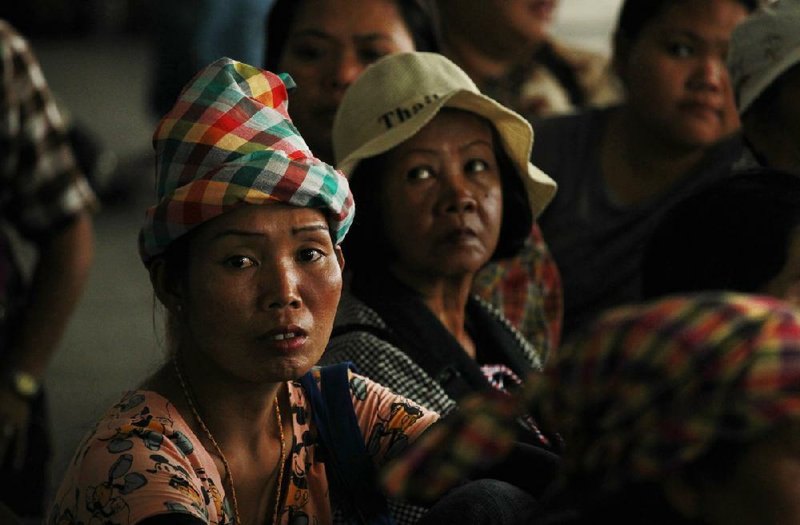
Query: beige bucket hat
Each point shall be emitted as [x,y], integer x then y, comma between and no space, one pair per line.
[398,95]
[763,47]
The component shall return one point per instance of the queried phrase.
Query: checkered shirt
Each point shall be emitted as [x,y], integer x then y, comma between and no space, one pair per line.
[41,183]
[41,186]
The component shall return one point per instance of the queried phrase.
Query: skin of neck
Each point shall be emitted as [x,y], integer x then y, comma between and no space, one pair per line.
[240,416]
[445,297]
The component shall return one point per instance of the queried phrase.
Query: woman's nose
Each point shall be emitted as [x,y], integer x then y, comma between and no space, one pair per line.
[709,74]
[459,196]
[346,70]
[280,288]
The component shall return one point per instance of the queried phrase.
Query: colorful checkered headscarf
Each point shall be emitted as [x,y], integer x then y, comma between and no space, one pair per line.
[648,390]
[227,141]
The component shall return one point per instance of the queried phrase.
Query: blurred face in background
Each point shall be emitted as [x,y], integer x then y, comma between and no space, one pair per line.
[675,75]
[504,26]
[330,44]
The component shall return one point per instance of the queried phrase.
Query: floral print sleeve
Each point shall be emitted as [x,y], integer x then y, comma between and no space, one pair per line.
[140,461]
[389,421]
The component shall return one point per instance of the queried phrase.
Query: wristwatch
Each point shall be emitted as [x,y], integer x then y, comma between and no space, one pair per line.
[24,384]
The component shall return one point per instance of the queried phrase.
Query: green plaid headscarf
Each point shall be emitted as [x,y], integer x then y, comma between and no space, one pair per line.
[648,390]
[227,141]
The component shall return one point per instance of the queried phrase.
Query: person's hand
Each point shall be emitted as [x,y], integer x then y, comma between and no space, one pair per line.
[14,418]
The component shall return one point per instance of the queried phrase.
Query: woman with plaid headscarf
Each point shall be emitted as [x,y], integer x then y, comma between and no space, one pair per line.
[243,253]
[683,410]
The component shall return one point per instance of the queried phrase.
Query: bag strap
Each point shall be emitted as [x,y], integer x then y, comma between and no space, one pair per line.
[349,466]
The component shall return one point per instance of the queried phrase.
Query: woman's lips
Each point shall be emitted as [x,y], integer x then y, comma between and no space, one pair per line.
[285,338]
[460,236]
[702,109]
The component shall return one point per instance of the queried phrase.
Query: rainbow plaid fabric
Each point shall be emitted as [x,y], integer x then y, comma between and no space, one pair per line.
[648,390]
[227,141]
[645,391]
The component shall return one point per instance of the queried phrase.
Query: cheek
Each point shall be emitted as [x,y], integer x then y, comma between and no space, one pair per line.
[323,298]
[405,215]
[215,302]
[494,207]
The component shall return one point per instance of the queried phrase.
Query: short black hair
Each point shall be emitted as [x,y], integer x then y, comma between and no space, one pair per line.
[733,235]
[366,244]
[634,15]
[415,14]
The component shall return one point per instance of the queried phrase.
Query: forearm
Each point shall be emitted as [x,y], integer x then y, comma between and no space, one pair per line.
[62,267]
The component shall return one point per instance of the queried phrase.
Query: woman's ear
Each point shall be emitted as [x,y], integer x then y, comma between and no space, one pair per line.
[339,256]
[168,293]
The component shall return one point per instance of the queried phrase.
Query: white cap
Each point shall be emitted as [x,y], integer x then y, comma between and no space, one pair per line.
[763,47]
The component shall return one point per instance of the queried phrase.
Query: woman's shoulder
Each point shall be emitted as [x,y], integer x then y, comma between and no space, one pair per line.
[141,459]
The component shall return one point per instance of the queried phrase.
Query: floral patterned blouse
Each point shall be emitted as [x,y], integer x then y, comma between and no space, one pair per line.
[142,459]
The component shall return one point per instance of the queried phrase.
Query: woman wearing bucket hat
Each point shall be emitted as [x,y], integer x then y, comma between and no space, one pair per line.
[683,410]
[243,252]
[620,168]
[325,45]
[764,63]
[445,186]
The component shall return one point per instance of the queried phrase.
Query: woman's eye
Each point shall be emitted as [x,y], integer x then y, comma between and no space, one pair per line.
[309,255]
[680,50]
[476,165]
[240,262]
[368,55]
[419,173]
[307,52]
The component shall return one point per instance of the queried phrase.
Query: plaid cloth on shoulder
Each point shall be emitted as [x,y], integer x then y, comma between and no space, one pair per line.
[645,391]
[527,289]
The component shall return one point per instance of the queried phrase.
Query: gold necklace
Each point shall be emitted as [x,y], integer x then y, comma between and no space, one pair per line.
[187,392]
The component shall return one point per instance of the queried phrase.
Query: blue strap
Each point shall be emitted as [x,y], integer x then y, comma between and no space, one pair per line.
[349,467]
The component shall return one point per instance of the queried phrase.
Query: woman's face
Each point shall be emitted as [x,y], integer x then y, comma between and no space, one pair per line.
[442,200]
[675,75]
[527,19]
[329,45]
[500,23]
[261,292]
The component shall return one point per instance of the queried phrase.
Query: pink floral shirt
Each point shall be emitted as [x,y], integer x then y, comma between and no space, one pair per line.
[142,459]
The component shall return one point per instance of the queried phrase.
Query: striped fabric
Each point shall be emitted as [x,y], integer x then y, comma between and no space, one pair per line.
[227,141]
[647,390]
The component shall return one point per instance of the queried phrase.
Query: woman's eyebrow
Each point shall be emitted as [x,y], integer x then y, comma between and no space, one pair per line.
[310,228]
[311,33]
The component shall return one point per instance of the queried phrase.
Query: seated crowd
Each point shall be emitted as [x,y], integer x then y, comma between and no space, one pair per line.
[430,264]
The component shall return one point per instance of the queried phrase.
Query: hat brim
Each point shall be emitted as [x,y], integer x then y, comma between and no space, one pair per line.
[757,89]
[515,132]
